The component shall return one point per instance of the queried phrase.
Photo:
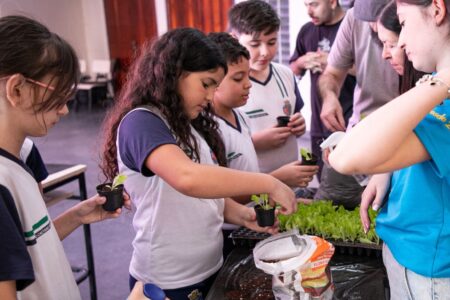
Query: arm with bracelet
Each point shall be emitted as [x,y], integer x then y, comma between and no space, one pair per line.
[385,140]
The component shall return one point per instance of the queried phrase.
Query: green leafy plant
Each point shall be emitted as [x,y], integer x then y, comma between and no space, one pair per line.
[306,153]
[262,200]
[118,180]
[329,221]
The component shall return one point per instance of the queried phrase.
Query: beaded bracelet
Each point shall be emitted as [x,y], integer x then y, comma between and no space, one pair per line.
[432,80]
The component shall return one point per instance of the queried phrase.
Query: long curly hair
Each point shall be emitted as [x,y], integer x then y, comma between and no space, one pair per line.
[153,80]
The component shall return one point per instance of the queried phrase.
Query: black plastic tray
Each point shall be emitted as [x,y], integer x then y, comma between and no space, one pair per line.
[248,238]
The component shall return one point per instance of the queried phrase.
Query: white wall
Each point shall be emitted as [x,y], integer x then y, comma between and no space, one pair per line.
[80,22]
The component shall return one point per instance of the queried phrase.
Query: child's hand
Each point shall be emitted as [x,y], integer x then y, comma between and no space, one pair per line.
[91,211]
[250,222]
[271,137]
[373,196]
[283,195]
[297,124]
[296,175]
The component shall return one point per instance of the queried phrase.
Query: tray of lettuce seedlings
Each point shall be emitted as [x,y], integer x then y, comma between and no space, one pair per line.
[336,224]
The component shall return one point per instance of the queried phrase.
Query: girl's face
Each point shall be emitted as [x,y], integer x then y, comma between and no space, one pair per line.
[262,48]
[38,123]
[391,52]
[419,36]
[197,90]
[235,87]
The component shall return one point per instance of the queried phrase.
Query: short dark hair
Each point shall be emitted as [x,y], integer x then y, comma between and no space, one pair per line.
[27,47]
[253,17]
[231,49]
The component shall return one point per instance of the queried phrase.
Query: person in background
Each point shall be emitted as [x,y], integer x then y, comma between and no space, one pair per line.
[161,134]
[38,74]
[388,32]
[232,93]
[356,45]
[410,136]
[274,92]
[313,44]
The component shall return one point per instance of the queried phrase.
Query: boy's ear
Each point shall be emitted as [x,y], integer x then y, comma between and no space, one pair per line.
[234,34]
[15,89]
[439,11]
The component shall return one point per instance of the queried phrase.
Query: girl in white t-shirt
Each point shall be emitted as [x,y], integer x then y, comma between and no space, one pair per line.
[38,75]
[162,134]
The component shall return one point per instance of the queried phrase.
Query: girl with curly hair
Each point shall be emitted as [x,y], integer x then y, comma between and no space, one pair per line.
[162,135]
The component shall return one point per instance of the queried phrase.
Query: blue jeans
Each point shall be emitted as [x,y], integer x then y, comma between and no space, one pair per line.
[196,291]
[407,285]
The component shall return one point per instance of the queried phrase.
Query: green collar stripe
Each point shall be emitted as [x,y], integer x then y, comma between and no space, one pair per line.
[39,224]
[254,111]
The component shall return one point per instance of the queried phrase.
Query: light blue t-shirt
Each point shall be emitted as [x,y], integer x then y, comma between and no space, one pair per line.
[415,222]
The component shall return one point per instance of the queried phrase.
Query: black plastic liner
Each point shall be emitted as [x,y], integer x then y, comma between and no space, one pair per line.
[354,277]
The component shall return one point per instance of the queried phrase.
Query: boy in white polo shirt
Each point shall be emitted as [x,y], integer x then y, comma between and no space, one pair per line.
[234,125]
[274,91]
[234,128]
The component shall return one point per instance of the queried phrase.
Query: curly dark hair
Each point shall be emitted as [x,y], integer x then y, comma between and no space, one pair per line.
[253,17]
[152,80]
[230,47]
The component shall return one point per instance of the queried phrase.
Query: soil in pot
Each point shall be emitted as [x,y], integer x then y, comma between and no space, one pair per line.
[312,162]
[265,217]
[282,121]
[114,198]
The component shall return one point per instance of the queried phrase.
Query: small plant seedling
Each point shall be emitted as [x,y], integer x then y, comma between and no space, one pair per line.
[306,154]
[118,180]
[262,200]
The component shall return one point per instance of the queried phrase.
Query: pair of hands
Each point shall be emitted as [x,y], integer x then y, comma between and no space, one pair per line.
[313,61]
[275,137]
[91,211]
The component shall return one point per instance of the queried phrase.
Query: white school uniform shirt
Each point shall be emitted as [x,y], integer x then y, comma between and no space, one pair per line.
[268,100]
[53,275]
[178,238]
[240,152]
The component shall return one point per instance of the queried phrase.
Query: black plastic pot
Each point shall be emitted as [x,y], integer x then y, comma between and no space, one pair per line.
[312,162]
[282,121]
[114,199]
[265,217]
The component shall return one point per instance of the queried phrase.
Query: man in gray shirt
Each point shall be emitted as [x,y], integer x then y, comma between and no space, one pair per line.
[357,45]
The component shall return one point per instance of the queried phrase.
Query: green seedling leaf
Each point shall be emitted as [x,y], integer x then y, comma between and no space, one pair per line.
[305,153]
[118,180]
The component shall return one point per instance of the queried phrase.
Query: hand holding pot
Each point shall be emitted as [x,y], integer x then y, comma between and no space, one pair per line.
[250,222]
[91,211]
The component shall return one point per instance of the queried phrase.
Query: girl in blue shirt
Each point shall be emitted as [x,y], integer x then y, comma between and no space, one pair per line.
[411,134]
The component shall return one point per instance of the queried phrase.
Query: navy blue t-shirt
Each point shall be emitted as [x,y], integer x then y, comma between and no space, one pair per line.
[311,38]
[36,164]
[15,261]
[140,133]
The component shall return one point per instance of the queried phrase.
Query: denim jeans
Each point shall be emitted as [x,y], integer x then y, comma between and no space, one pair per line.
[407,285]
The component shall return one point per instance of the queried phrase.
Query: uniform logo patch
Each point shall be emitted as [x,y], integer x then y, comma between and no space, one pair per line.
[287,108]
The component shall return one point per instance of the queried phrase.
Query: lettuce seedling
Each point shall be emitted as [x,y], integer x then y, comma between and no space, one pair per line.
[305,153]
[262,200]
[118,180]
